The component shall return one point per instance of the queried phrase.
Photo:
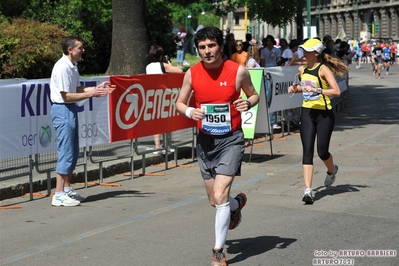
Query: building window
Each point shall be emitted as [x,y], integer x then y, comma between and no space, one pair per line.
[237,19]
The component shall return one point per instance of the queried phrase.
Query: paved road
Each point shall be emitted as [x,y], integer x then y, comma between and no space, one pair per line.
[166,220]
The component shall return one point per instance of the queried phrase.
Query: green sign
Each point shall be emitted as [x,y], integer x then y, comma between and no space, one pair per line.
[249,118]
[376,27]
[251,29]
[369,27]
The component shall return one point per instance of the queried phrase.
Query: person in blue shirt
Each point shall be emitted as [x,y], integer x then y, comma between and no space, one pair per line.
[386,57]
[359,54]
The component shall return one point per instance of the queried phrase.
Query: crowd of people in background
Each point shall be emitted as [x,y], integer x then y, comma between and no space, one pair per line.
[271,52]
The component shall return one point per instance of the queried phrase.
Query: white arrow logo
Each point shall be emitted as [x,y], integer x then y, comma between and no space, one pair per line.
[133,100]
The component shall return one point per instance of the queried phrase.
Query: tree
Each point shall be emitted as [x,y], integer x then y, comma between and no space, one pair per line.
[130,40]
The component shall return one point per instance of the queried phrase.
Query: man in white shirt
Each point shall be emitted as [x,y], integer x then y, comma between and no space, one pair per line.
[269,54]
[288,54]
[65,92]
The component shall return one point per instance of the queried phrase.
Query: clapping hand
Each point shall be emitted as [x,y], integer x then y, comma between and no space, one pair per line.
[104,89]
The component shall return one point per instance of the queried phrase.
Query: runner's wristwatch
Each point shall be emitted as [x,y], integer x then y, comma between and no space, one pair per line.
[249,104]
[319,90]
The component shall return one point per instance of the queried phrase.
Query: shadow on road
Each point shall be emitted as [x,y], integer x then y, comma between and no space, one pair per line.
[115,194]
[331,191]
[249,247]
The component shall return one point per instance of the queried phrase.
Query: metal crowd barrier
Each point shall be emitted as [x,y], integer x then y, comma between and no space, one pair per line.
[286,116]
[45,163]
[18,167]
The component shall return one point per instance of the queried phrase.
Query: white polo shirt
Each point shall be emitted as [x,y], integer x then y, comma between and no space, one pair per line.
[64,77]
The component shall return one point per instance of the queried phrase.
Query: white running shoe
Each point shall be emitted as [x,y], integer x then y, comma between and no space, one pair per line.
[76,196]
[64,200]
[330,178]
[307,196]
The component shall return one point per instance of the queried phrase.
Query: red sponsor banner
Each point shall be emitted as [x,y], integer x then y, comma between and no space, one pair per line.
[144,105]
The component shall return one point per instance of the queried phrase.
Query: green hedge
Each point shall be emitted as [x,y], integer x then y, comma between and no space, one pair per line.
[28,49]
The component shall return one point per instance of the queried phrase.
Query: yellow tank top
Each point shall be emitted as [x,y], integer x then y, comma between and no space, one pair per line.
[314,100]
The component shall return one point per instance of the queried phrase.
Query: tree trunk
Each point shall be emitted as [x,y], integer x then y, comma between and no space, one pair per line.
[129,52]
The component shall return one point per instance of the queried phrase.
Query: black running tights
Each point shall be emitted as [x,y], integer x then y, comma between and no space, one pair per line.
[316,122]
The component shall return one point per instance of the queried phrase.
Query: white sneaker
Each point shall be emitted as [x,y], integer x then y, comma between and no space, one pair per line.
[307,196]
[275,126]
[330,178]
[64,200]
[76,196]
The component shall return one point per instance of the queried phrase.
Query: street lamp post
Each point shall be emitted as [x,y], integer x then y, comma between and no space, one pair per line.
[188,16]
[357,20]
[318,20]
[308,16]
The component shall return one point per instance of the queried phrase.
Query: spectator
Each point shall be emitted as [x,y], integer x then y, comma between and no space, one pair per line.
[229,46]
[247,43]
[269,53]
[220,146]
[329,49]
[288,54]
[252,57]
[180,41]
[240,56]
[268,56]
[326,39]
[159,66]
[283,45]
[344,53]
[317,85]
[336,46]
[65,92]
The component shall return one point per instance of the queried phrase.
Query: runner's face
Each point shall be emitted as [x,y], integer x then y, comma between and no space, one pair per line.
[209,51]
[309,56]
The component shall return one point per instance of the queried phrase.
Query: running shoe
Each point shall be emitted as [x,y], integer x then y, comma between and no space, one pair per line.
[76,196]
[330,178]
[235,216]
[64,200]
[307,196]
[218,258]
[275,126]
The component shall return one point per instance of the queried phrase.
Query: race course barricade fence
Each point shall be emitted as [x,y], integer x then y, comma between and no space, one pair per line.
[118,126]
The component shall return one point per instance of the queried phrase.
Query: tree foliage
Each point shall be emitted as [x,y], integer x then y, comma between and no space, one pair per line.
[90,19]
[274,12]
[136,25]
[28,49]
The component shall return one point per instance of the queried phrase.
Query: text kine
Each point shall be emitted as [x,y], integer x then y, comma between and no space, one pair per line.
[35,99]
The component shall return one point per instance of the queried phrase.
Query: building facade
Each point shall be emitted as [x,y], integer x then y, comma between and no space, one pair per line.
[359,19]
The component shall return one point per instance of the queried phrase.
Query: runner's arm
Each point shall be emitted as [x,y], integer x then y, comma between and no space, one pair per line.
[182,100]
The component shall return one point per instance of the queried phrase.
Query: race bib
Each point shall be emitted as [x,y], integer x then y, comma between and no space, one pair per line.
[309,96]
[217,119]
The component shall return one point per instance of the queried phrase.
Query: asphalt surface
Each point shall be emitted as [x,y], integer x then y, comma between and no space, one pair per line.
[166,220]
